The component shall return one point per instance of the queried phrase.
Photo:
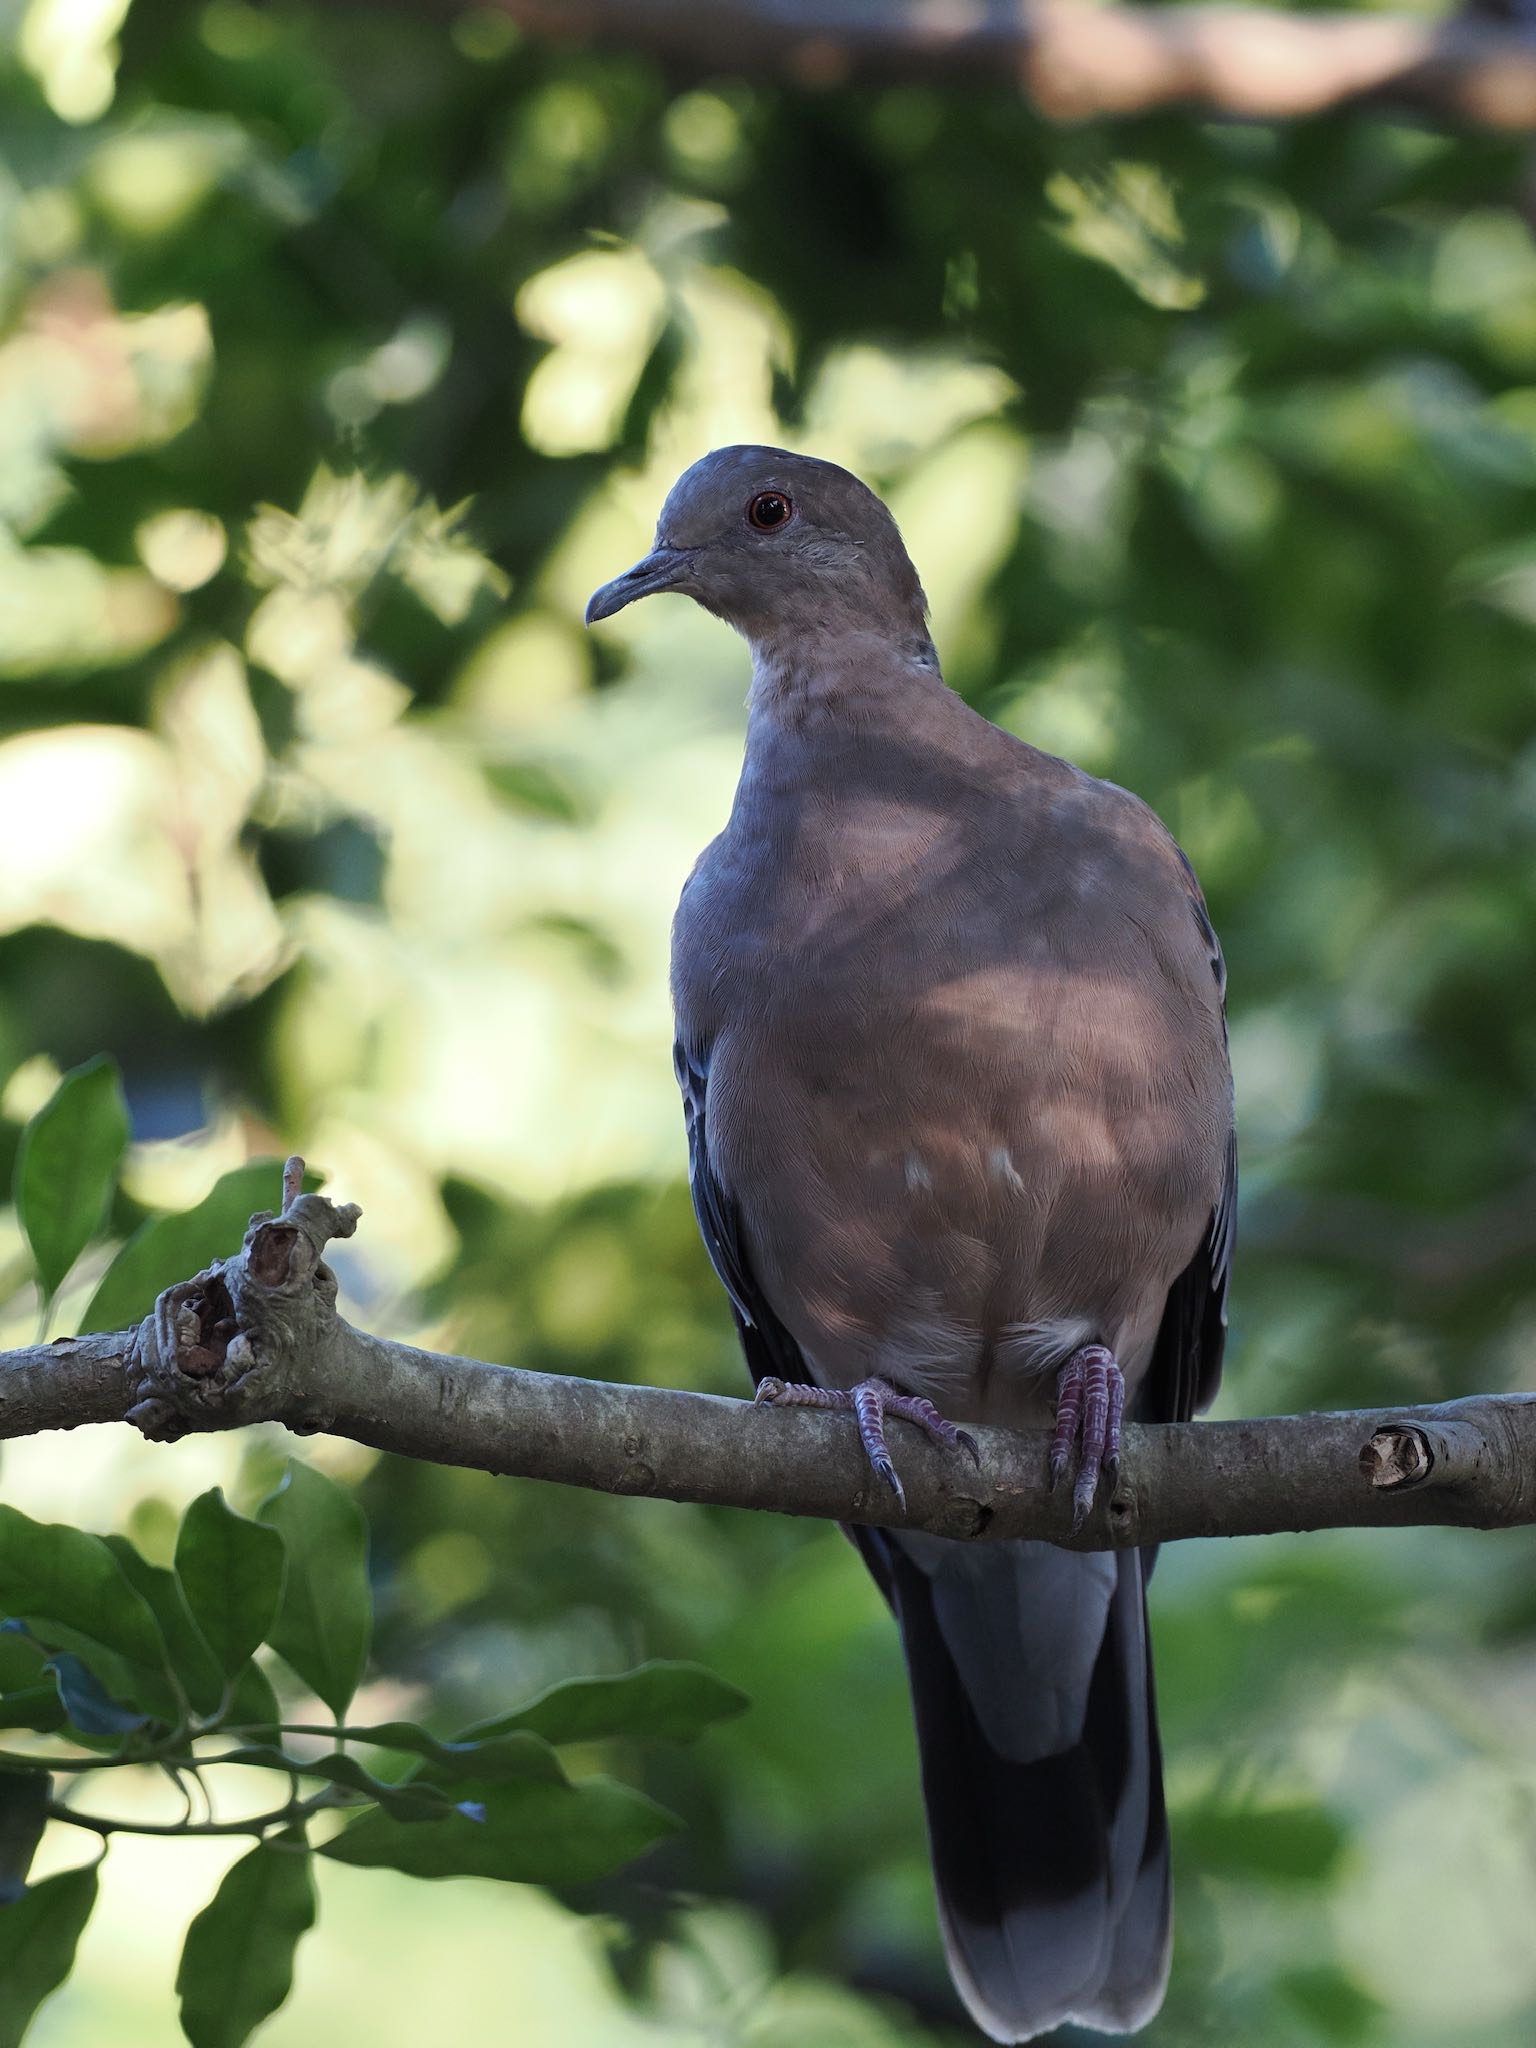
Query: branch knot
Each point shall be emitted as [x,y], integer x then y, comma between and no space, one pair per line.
[230,1345]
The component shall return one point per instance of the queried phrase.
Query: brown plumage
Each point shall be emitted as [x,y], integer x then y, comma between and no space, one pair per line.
[952,1045]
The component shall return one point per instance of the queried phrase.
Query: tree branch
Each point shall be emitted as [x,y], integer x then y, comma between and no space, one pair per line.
[1075,61]
[256,1338]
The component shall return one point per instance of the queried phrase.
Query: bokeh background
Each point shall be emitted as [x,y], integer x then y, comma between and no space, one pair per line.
[342,352]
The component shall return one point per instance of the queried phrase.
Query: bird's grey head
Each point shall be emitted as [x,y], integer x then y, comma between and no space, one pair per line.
[778,545]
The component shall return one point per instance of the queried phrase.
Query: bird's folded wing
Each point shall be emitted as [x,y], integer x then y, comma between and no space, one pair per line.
[1186,1361]
[769,1348]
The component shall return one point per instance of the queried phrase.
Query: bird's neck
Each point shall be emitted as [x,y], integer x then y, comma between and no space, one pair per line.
[840,683]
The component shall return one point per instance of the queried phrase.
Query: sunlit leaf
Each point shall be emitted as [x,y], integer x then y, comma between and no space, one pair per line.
[231,1574]
[237,1961]
[38,1936]
[66,1167]
[325,1619]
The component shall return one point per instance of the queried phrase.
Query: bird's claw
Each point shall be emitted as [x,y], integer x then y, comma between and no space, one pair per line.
[872,1400]
[1090,1403]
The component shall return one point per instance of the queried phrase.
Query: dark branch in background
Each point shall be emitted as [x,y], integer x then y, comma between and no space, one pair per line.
[1075,60]
[256,1338]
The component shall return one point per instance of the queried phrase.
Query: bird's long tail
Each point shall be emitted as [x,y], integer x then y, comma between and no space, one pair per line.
[1032,1687]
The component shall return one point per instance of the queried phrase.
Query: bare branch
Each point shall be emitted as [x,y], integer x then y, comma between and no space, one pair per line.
[1076,61]
[256,1338]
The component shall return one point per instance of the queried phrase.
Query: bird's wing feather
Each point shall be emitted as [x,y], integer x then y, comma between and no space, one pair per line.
[1186,1361]
[769,1349]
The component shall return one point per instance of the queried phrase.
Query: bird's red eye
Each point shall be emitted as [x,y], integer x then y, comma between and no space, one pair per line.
[768,510]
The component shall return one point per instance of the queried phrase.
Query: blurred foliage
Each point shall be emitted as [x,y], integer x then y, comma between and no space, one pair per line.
[341,353]
[168,1667]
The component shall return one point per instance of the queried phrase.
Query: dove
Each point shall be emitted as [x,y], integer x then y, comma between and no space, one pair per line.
[951,1039]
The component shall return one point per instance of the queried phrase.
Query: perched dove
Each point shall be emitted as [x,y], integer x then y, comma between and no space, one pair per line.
[951,1039]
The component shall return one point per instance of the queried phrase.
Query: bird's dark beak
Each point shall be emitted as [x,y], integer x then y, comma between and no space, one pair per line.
[662,569]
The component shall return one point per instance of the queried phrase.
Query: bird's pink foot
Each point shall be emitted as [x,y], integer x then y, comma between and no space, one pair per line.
[871,1401]
[1090,1402]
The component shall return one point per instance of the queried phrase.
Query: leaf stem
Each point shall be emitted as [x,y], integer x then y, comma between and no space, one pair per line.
[255,1824]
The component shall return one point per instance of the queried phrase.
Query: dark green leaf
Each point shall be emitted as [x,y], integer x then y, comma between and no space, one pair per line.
[34,1706]
[531,1834]
[325,1619]
[87,1703]
[138,1685]
[656,1702]
[254,1707]
[66,1167]
[171,1248]
[186,1652]
[237,1961]
[24,1797]
[231,1574]
[21,1658]
[38,1936]
[50,1573]
[144,1687]
[27,1698]
[1292,1844]
[1336,2006]
[517,1755]
[414,1800]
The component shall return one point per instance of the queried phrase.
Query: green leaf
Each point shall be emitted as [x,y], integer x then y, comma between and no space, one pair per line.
[27,1698]
[186,1652]
[24,1797]
[237,1960]
[411,1800]
[49,1572]
[149,1690]
[254,1708]
[38,1936]
[231,1573]
[532,1833]
[1292,1844]
[171,1248]
[66,1167]
[21,1659]
[139,1685]
[1336,2006]
[325,1618]
[656,1702]
[34,1706]
[518,1755]
[86,1701]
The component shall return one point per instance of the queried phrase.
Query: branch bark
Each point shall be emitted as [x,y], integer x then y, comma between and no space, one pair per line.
[1075,61]
[256,1338]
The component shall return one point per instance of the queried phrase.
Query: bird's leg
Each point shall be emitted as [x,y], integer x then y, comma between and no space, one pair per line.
[871,1401]
[1090,1401]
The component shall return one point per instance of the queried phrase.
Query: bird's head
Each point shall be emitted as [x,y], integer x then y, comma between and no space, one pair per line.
[777,544]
